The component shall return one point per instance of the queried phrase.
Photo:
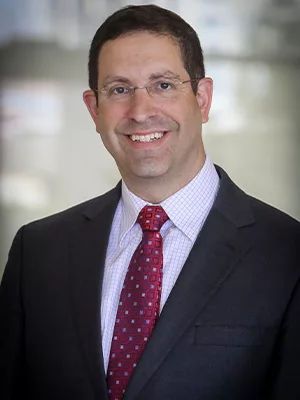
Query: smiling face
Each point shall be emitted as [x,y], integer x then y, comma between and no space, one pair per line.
[153,134]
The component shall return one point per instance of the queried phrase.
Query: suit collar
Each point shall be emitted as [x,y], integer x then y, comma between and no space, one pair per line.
[94,208]
[232,202]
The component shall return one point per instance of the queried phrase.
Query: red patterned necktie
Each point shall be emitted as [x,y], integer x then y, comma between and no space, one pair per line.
[139,302]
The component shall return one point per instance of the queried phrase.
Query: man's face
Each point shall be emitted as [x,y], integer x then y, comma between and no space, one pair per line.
[174,150]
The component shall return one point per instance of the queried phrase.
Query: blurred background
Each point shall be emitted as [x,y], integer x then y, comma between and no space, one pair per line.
[51,156]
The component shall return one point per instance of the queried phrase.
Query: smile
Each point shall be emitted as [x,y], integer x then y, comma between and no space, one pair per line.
[147,138]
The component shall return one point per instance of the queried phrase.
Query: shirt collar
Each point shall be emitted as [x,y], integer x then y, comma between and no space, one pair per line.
[187,208]
[132,205]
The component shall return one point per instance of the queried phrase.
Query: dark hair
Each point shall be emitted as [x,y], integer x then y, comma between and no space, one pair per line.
[152,19]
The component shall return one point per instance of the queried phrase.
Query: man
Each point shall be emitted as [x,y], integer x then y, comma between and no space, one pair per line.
[207,305]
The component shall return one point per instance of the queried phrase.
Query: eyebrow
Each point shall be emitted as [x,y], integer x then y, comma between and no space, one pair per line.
[156,75]
[166,74]
[115,78]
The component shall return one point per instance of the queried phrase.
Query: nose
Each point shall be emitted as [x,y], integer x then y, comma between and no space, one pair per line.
[142,106]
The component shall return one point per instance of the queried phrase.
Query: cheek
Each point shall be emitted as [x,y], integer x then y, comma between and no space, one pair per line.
[107,121]
[190,107]
[183,110]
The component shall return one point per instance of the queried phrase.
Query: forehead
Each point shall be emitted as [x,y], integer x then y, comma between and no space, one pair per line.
[139,55]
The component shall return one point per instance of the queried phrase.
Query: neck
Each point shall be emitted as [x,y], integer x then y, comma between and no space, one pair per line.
[155,190]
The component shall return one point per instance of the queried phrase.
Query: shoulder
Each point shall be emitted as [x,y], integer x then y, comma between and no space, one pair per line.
[239,206]
[74,215]
[273,218]
[277,234]
[270,229]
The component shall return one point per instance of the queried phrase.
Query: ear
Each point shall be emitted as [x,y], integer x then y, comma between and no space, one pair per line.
[91,102]
[204,97]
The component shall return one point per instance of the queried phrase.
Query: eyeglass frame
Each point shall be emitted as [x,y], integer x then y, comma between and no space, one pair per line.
[132,89]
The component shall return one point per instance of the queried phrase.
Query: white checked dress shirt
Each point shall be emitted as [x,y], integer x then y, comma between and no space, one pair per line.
[187,210]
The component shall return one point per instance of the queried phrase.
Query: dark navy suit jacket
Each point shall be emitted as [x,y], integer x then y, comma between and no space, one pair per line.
[230,328]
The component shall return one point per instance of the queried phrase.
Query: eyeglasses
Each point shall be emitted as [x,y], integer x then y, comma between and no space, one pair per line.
[165,89]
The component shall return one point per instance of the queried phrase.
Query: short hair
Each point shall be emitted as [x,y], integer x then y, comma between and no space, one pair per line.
[152,19]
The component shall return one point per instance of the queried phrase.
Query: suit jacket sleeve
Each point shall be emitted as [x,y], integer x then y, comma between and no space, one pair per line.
[12,378]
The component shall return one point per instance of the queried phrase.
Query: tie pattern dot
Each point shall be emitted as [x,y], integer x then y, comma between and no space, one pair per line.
[139,302]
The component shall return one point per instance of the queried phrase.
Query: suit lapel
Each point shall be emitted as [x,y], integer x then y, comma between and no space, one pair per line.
[88,243]
[219,246]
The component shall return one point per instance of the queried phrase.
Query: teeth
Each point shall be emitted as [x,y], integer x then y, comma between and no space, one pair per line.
[147,138]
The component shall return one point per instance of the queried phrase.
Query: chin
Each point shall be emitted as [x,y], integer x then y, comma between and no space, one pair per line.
[149,169]
[148,174]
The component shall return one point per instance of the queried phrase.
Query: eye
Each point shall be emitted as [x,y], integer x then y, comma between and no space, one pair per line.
[164,86]
[118,90]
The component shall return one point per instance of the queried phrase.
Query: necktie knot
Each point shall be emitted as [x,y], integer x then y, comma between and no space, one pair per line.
[152,218]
